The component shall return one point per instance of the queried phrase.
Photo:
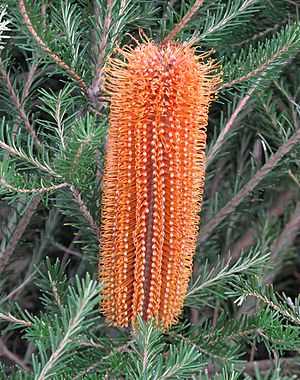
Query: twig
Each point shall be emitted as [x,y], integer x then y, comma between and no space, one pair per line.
[95,365]
[29,79]
[85,210]
[294,2]
[294,111]
[55,293]
[87,343]
[252,351]
[15,291]
[69,250]
[43,14]
[83,144]
[20,154]
[184,21]
[58,119]
[229,125]
[254,72]
[74,191]
[264,32]
[227,17]
[43,46]
[11,356]
[199,348]
[32,191]
[233,336]
[279,206]
[66,249]
[216,314]
[219,172]
[284,241]
[12,319]
[292,316]
[19,107]
[195,314]
[246,190]
[18,232]
[123,5]
[294,178]
[103,42]
[44,374]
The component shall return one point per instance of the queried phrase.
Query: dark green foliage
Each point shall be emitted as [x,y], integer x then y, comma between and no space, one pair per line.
[242,311]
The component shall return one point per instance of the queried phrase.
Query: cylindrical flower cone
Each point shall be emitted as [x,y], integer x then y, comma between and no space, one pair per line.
[154,176]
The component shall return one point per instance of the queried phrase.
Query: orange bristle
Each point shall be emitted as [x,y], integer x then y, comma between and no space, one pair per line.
[154,175]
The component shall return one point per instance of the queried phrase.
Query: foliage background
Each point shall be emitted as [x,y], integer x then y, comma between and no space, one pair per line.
[242,313]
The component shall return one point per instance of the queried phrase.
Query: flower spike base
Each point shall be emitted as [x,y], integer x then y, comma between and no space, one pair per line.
[154,175]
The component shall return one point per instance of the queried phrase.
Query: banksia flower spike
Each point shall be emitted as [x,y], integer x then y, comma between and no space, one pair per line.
[154,175]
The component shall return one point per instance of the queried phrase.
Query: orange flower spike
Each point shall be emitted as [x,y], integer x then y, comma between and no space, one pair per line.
[154,175]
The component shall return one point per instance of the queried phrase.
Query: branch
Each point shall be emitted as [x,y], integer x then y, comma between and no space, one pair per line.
[99,362]
[229,125]
[246,190]
[91,343]
[67,250]
[15,291]
[18,232]
[18,106]
[32,191]
[247,240]
[284,241]
[29,79]
[292,316]
[28,159]
[184,21]
[45,48]
[83,144]
[289,232]
[10,318]
[73,326]
[55,293]
[43,14]
[224,271]
[256,71]
[74,191]
[85,210]
[235,335]
[198,347]
[228,17]
[57,353]
[11,356]
[265,32]
[103,42]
